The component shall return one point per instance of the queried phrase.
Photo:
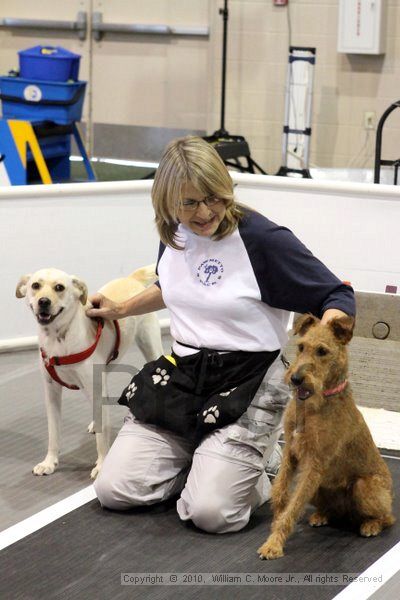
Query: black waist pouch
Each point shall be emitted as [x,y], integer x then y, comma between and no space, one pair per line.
[195,394]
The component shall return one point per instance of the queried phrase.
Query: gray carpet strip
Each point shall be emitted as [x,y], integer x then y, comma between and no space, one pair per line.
[23,436]
[83,554]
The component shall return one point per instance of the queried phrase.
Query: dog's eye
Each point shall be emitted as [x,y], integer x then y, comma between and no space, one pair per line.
[59,287]
[321,351]
[36,285]
[300,347]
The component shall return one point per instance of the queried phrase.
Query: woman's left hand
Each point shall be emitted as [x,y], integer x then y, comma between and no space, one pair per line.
[332,313]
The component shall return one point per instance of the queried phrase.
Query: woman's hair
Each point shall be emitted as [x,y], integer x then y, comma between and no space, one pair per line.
[191,160]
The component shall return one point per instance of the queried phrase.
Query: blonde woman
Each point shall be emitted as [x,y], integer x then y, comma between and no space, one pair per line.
[204,421]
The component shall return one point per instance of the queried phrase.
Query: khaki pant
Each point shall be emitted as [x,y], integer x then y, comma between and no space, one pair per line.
[220,482]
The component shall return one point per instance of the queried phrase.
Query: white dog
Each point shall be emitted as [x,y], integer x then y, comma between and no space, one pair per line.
[67,335]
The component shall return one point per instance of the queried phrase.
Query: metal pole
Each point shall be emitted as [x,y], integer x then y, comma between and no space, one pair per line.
[378,143]
[287,116]
[225,15]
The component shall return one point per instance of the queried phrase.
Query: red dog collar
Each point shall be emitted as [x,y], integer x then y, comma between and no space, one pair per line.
[336,390]
[71,359]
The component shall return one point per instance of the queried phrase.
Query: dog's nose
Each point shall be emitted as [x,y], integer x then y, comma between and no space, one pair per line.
[297,379]
[44,302]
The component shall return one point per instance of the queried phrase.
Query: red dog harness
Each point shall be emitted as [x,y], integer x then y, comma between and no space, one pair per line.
[71,359]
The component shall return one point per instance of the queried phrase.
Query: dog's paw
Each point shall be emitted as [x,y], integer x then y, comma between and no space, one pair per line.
[211,414]
[371,528]
[318,520]
[90,428]
[96,470]
[45,468]
[270,551]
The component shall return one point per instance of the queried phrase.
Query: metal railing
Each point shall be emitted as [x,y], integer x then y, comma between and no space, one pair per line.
[80,25]
[379,162]
[99,28]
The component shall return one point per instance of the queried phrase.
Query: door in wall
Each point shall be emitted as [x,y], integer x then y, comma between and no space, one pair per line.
[147,65]
[150,83]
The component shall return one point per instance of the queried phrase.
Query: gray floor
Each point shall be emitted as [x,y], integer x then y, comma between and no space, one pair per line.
[132,141]
[390,590]
[23,436]
[23,429]
[82,555]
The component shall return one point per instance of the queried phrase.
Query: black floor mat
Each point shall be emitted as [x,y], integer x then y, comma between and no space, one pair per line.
[82,555]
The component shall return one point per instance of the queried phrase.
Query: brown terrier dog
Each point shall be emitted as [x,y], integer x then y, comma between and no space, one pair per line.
[340,470]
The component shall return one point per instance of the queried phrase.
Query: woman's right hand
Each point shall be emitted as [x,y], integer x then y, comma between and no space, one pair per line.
[104,308]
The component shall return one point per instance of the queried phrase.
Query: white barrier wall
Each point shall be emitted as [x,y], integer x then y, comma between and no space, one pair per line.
[353,228]
[101,231]
[97,231]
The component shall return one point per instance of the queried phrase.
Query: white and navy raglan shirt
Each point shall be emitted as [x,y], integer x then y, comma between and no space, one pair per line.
[237,293]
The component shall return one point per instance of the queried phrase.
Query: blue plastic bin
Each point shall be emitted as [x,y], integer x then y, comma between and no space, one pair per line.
[34,100]
[49,63]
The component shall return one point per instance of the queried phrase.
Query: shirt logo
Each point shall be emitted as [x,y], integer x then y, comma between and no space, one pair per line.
[210,271]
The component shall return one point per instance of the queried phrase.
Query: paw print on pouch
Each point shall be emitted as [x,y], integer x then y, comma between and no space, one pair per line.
[132,388]
[211,414]
[228,392]
[160,377]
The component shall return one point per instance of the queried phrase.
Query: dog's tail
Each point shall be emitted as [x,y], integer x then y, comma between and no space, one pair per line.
[146,275]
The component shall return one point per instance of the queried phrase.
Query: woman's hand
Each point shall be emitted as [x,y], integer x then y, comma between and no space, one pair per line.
[104,308]
[332,313]
[147,301]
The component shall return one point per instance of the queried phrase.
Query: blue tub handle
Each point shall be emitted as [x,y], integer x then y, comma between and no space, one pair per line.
[19,100]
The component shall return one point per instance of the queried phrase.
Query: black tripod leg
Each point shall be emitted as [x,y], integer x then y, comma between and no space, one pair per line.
[250,164]
[241,168]
[254,164]
[235,165]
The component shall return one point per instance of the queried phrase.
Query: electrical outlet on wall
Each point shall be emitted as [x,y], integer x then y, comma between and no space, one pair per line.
[369,120]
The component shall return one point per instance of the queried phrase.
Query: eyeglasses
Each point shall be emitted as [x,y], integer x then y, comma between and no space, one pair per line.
[192,205]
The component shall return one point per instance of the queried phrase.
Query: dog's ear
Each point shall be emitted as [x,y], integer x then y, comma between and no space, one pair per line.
[82,287]
[303,324]
[20,291]
[342,328]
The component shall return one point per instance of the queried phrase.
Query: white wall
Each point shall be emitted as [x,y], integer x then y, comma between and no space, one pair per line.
[96,231]
[154,81]
[101,231]
[353,228]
